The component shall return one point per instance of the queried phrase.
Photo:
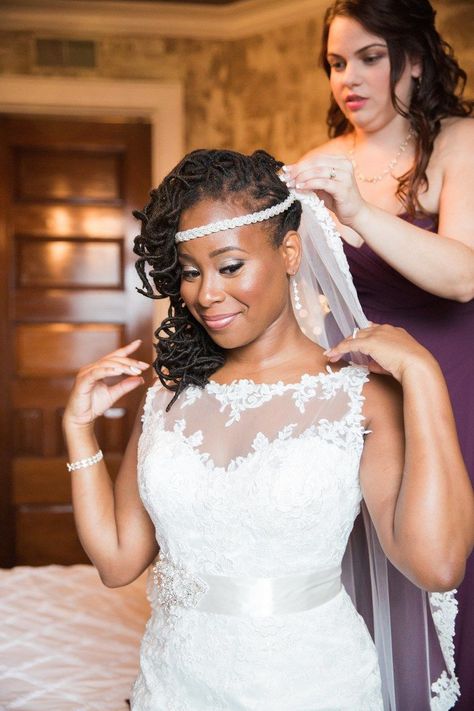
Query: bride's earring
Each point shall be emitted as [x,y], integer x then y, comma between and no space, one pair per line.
[296,293]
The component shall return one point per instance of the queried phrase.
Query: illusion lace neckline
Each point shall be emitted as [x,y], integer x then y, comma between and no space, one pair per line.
[214,386]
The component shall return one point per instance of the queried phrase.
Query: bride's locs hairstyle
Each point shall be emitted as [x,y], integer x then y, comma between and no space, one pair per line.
[408,27]
[185,353]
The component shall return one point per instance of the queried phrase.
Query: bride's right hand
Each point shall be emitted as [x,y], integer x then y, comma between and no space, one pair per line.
[91,396]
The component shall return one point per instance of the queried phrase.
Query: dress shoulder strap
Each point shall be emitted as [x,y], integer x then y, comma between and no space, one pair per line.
[151,406]
[355,377]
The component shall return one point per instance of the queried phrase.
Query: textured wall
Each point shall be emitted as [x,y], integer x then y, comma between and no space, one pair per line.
[264,91]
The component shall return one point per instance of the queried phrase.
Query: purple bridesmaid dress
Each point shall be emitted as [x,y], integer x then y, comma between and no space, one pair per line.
[446,328]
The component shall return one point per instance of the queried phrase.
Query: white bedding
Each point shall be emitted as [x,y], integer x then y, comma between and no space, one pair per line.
[68,643]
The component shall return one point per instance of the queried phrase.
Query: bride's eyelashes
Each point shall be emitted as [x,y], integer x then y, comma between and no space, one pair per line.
[232,268]
[190,273]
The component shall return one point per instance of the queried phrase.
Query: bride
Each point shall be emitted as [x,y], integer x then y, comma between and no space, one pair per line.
[251,457]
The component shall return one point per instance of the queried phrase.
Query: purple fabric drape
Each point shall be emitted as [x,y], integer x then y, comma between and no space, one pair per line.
[446,328]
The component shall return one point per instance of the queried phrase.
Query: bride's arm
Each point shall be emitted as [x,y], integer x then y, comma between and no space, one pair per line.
[412,473]
[113,526]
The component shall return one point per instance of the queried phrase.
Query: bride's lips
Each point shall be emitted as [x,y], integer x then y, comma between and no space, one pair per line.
[215,323]
[354,102]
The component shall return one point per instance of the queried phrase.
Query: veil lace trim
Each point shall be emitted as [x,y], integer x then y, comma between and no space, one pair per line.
[446,690]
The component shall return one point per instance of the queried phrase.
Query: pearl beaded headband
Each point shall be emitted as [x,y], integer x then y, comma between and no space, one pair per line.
[229,224]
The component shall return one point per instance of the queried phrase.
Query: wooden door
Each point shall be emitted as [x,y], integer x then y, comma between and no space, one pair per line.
[67,282]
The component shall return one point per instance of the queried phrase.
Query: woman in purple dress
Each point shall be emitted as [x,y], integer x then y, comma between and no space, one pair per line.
[398,173]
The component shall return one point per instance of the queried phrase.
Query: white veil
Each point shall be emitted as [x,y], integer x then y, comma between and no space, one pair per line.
[413,630]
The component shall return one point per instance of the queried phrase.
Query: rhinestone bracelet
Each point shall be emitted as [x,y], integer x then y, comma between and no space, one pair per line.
[84,463]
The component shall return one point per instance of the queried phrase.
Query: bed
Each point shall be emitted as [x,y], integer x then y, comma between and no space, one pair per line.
[66,641]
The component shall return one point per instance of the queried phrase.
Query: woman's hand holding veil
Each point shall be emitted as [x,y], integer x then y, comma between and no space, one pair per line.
[391,350]
[332,179]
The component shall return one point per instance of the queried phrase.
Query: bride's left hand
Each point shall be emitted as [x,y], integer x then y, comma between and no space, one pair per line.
[391,350]
[332,179]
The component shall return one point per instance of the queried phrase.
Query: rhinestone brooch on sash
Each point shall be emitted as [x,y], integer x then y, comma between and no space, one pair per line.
[175,586]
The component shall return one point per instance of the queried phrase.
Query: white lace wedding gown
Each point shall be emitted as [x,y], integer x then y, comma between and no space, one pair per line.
[253,489]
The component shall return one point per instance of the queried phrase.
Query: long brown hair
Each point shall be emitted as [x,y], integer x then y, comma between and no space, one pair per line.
[408,27]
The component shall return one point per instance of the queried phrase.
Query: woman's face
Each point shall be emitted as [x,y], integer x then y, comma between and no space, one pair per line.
[360,75]
[235,282]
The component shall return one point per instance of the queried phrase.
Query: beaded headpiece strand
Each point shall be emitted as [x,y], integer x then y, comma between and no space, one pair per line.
[251,218]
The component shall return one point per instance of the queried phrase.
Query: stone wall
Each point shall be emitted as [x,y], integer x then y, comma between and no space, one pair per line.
[263,91]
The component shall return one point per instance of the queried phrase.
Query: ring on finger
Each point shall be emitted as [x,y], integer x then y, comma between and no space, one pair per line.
[332,173]
[355,332]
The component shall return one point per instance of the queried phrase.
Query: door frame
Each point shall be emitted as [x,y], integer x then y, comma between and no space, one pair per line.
[161,104]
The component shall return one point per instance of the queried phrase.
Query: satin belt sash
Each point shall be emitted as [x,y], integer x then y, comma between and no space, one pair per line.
[269,596]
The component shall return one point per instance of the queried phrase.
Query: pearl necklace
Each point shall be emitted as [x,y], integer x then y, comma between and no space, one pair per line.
[377,178]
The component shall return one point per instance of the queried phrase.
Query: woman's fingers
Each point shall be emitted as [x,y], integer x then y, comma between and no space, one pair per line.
[337,175]
[391,349]
[123,387]
[123,351]
[320,165]
[331,175]
[352,345]
[99,372]
[121,367]
[92,375]
[360,341]
[92,397]
[117,362]
[111,365]
[128,348]
[329,185]
[93,392]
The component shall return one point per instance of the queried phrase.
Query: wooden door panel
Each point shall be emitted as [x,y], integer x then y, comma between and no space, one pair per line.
[72,221]
[69,263]
[28,431]
[61,348]
[40,483]
[44,483]
[30,393]
[53,302]
[70,297]
[46,534]
[91,176]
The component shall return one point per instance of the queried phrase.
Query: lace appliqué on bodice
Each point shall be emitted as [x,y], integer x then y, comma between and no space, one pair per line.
[259,480]
[225,404]
[253,480]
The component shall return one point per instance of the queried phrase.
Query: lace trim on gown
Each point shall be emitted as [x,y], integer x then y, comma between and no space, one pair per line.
[446,690]
[290,506]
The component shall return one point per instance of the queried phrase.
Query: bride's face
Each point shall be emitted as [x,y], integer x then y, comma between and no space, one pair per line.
[235,282]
